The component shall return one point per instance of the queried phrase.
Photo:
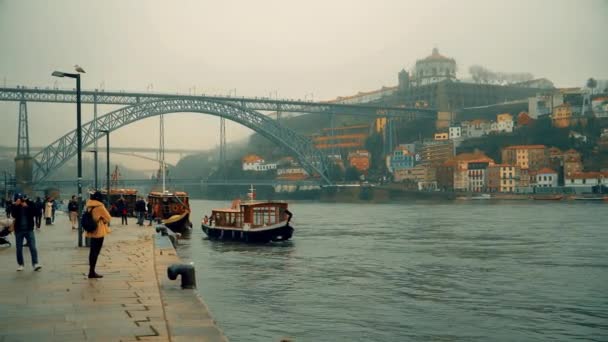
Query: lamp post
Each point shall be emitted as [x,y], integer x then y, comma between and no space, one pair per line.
[95,173]
[79,141]
[107,132]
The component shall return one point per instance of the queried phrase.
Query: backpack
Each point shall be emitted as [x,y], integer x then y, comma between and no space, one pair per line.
[87,222]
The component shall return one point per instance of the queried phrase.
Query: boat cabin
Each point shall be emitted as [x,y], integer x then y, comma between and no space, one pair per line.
[249,215]
[128,195]
[168,204]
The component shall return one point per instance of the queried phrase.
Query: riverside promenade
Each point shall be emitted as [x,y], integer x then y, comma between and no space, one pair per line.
[134,301]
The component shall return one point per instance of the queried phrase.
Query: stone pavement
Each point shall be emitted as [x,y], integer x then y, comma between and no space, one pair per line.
[131,303]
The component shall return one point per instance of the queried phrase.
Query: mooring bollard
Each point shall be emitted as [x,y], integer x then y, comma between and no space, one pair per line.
[187,273]
[162,229]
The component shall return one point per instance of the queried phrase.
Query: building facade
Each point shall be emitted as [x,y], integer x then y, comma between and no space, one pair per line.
[533,157]
[432,69]
[546,178]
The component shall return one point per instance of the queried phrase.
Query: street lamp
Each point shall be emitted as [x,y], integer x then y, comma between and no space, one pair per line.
[107,132]
[79,140]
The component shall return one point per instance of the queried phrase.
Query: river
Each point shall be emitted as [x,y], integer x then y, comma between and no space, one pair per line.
[510,271]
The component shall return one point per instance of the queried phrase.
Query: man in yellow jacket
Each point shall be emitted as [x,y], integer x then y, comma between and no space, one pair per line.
[102,217]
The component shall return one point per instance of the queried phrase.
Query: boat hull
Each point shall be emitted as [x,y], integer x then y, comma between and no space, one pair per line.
[182,226]
[280,233]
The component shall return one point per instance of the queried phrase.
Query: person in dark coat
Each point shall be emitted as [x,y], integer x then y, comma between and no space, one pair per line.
[39,205]
[73,211]
[140,208]
[122,210]
[150,214]
[24,211]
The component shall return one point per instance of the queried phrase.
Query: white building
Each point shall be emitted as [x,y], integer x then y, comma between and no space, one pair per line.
[253,162]
[587,179]
[543,104]
[455,132]
[434,68]
[475,128]
[546,178]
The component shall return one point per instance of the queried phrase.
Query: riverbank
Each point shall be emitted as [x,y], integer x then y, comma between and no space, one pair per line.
[133,302]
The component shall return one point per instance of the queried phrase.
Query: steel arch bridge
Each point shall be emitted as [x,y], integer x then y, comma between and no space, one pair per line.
[64,148]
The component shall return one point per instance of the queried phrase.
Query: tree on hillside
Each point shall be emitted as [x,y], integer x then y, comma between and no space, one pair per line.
[375,146]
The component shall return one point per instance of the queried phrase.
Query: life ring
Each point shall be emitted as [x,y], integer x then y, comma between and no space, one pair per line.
[177,208]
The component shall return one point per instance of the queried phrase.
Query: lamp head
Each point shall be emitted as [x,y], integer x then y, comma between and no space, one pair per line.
[58,74]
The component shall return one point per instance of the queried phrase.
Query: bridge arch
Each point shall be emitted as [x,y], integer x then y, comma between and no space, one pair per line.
[64,148]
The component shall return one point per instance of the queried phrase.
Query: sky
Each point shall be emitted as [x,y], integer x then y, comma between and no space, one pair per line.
[317,49]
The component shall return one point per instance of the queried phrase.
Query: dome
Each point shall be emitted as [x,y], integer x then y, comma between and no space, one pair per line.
[433,69]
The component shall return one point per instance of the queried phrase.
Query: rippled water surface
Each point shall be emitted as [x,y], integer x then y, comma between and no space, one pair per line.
[413,272]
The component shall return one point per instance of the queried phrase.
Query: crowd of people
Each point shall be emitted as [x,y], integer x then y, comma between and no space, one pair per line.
[24,217]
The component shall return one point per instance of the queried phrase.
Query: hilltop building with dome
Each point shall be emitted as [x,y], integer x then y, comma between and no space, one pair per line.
[432,69]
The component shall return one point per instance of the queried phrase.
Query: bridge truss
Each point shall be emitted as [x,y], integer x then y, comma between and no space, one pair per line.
[257,104]
[64,148]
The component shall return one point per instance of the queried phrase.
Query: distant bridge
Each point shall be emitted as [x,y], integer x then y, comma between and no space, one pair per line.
[13,149]
[248,103]
[134,183]
[140,105]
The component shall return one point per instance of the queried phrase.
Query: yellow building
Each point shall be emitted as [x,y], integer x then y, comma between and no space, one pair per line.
[532,157]
[441,136]
[561,115]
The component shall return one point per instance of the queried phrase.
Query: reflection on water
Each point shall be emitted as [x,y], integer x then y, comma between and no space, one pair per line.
[398,272]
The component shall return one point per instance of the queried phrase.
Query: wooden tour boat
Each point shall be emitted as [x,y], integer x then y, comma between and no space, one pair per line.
[250,221]
[170,208]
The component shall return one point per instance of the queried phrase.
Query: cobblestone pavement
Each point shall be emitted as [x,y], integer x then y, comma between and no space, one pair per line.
[59,302]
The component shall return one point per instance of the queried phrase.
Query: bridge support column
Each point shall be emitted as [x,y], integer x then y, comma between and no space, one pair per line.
[24,164]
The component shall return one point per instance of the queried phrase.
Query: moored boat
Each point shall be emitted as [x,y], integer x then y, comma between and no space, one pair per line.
[548,197]
[250,221]
[172,209]
[481,197]
[590,198]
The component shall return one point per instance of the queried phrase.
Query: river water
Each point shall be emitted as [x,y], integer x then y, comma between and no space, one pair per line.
[476,271]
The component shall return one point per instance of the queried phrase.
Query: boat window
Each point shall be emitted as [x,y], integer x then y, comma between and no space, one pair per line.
[264,216]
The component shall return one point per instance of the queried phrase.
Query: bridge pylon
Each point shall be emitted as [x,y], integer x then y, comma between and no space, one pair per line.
[24,163]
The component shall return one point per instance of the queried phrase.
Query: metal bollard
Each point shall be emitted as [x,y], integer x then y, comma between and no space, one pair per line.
[162,229]
[187,273]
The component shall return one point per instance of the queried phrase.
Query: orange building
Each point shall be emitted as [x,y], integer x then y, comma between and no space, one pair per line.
[532,157]
[459,165]
[523,119]
[561,115]
[360,160]
[348,137]
[572,163]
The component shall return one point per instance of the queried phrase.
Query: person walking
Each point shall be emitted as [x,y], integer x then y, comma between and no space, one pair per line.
[73,210]
[102,217]
[7,207]
[140,208]
[54,209]
[122,210]
[39,211]
[23,211]
[48,212]
[150,214]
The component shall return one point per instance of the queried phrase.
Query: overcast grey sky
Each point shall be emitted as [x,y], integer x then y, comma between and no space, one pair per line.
[326,47]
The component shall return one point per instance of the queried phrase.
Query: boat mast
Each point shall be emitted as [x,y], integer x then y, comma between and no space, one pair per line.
[251,193]
[162,149]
